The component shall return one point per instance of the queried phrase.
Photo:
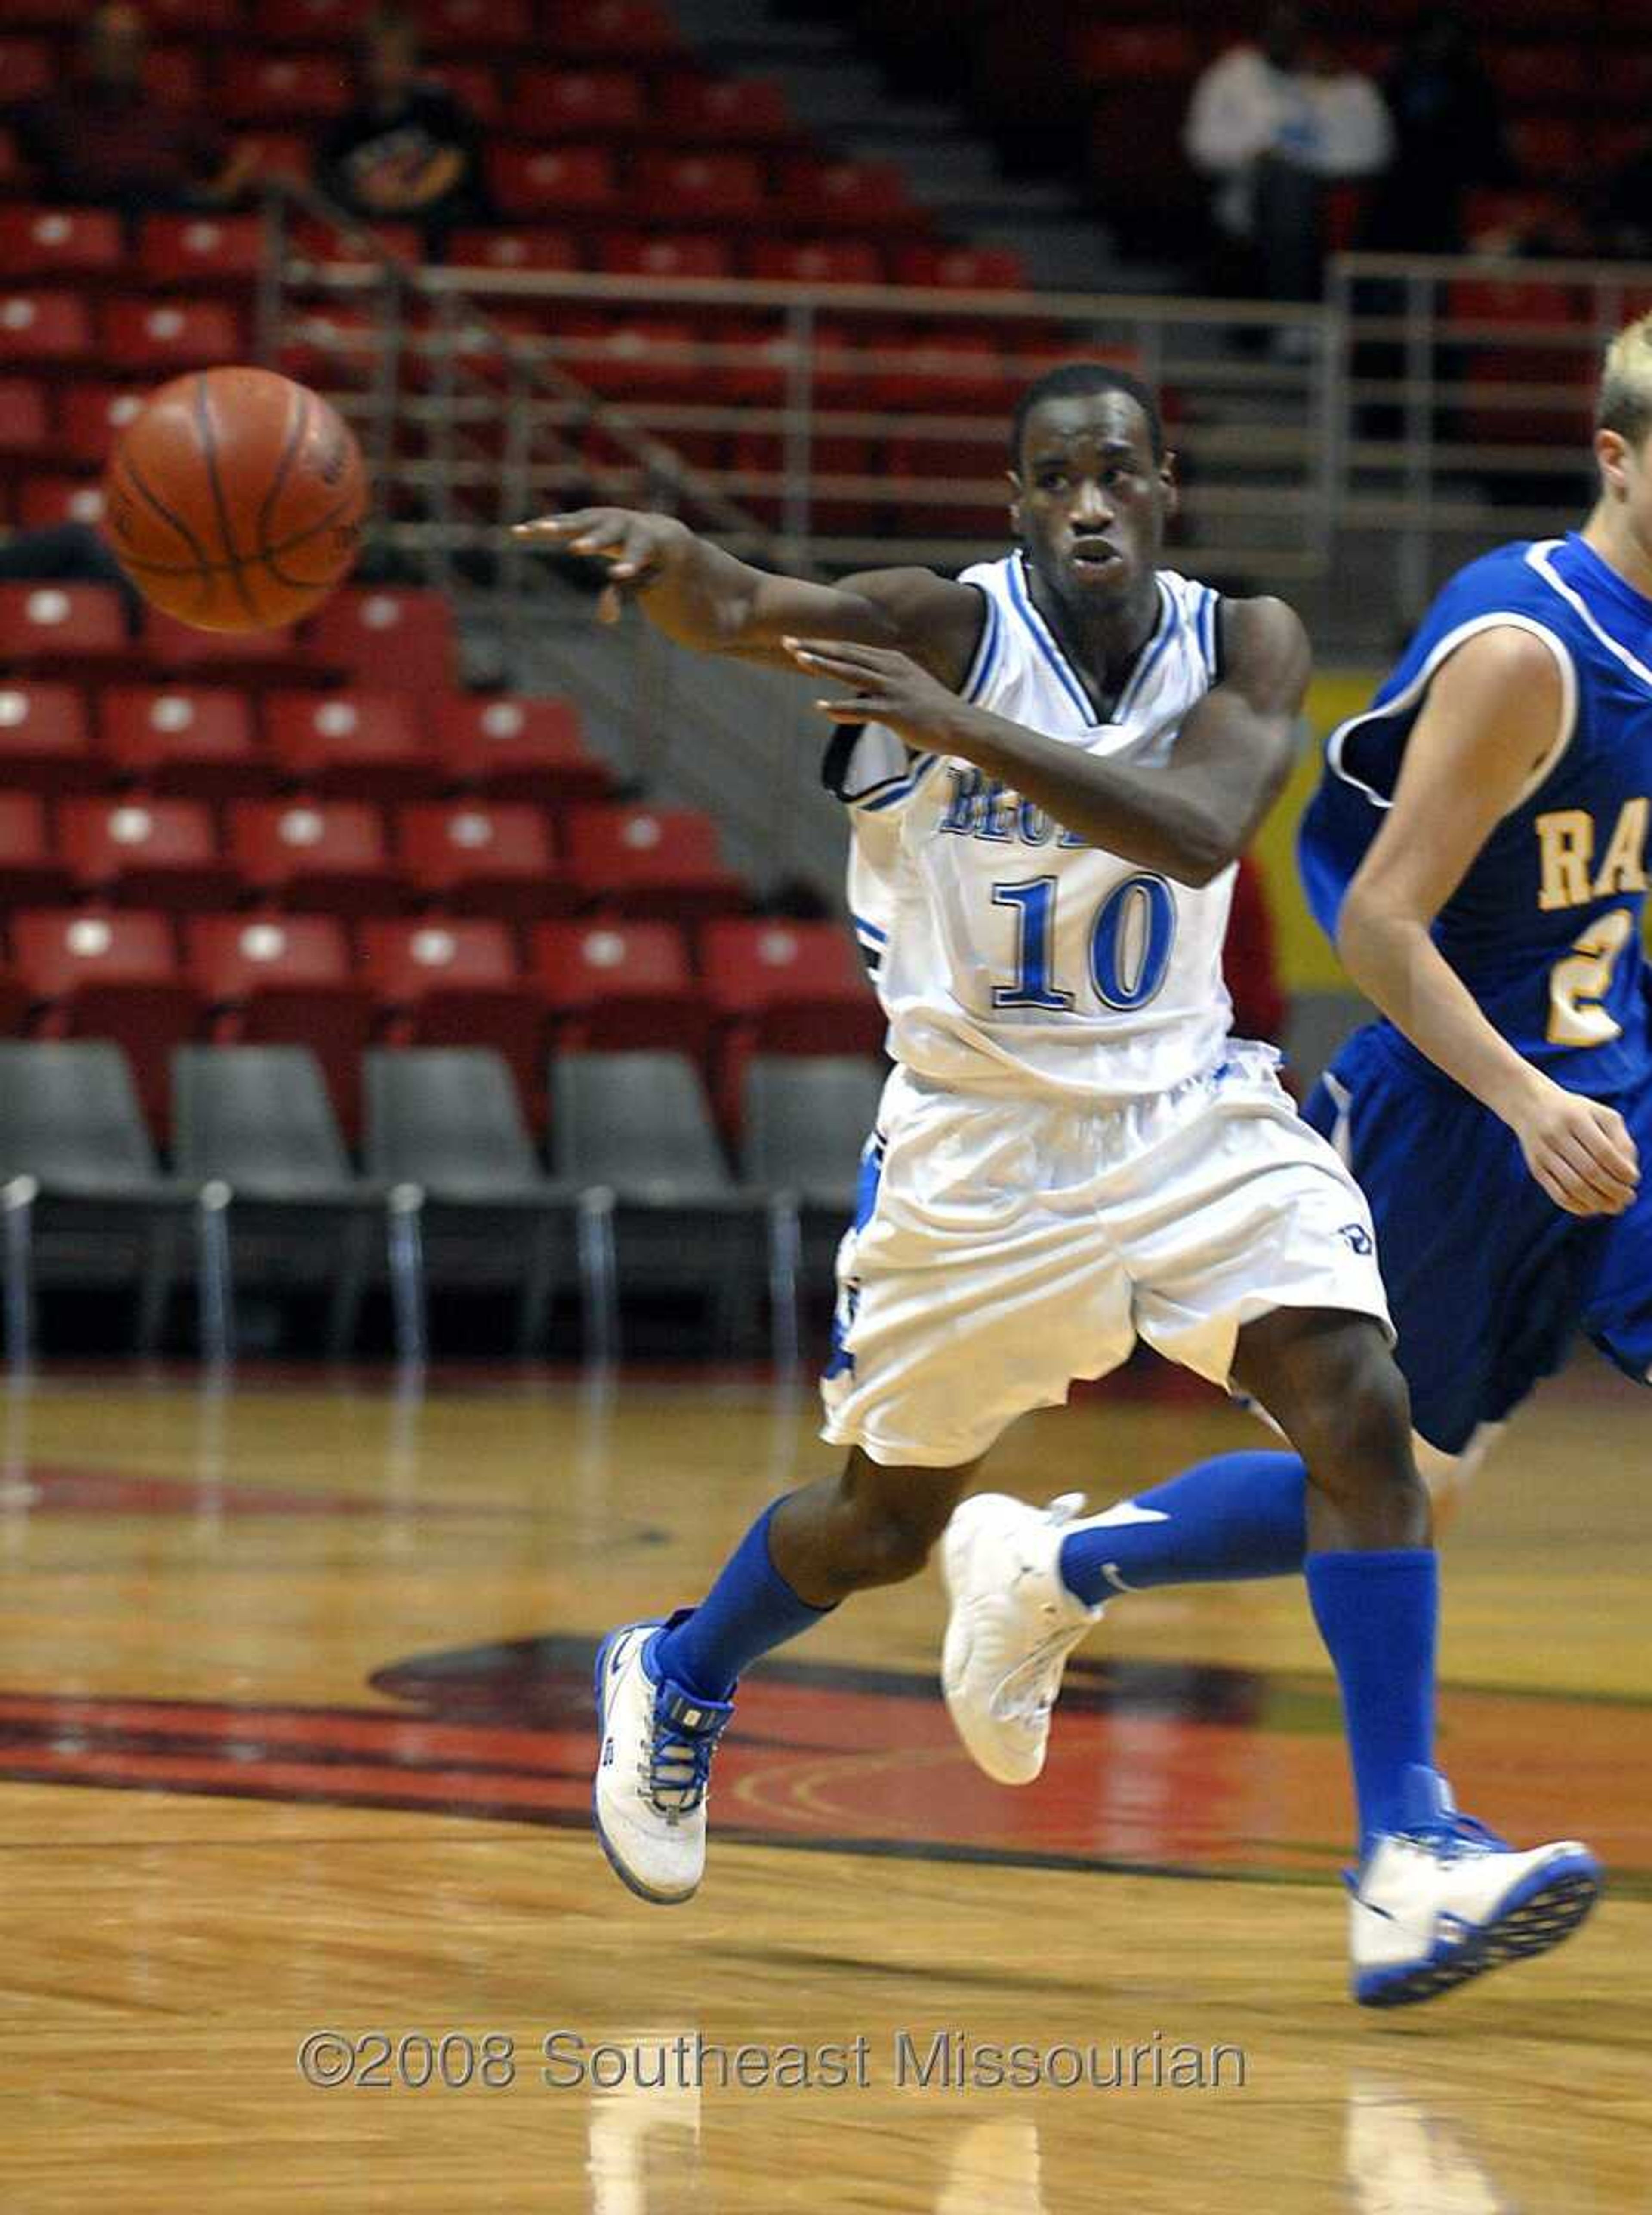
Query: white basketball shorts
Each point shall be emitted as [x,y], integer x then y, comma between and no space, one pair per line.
[1004,1248]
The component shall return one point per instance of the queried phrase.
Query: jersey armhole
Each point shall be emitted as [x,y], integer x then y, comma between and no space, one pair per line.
[898,784]
[1409,702]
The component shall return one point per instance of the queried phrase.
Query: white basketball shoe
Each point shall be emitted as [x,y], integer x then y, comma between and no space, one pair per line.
[1013,1625]
[1445,1900]
[653,1769]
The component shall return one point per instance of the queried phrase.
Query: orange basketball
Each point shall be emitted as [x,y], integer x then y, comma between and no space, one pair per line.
[235,499]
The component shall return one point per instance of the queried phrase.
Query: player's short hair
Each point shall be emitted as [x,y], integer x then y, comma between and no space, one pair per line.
[1071,380]
[1624,404]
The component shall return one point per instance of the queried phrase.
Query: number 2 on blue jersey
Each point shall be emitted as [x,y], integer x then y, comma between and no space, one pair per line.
[1131,942]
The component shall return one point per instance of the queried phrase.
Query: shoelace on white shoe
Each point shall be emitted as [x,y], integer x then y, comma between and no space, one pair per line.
[673,1776]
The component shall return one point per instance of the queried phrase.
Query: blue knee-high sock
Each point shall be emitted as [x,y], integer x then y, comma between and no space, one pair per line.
[749,1611]
[1241,1515]
[1378,1615]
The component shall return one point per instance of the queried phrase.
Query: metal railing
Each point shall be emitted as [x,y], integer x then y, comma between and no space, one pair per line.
[769,411]
[1466,388]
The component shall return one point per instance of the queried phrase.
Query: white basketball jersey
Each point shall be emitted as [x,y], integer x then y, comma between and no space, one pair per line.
[1008,954]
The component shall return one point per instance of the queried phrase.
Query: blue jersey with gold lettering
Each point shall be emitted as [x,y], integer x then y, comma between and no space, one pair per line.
[1545,928]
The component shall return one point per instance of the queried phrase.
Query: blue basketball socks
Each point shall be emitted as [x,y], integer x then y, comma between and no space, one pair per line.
[749,1611]
[1378,1615]
[1241,1515]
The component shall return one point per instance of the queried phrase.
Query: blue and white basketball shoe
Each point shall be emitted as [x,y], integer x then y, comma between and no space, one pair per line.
[1444,1900]
[653,1768]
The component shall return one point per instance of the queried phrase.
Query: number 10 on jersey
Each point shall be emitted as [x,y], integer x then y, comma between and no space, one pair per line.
[1131,942]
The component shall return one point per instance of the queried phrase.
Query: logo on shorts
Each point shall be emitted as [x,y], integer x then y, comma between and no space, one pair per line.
[1359,1238]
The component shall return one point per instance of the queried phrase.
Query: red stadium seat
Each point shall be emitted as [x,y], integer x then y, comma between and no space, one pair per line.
[637,30]
[476,86]
[201,251]
[626,357]
[46,743]
[649,862]
[963,268]
[42,244]
[110,976]
[556,182]
[511,749]
[1548,148]
[193,19]
[689,188]
[273,980]
[627,254]
[277,153]
[45,328]
[554,250]
[27,69]
[158,338]
[727,111]
[185,739]
[1542,77]
[327,856]
[43,503]
[314,24]
[1108,55]
[174,74]
[93,416]
[355,745]
[477,26]
[144,852]
[865,197]
[478,859]
[816,262]
[610,985]
[782,987]
[396,641]
[249,657]
[25,418]
[950,373]
[579,104]
[294,89]
[31,867]
[454,980]
[43,624]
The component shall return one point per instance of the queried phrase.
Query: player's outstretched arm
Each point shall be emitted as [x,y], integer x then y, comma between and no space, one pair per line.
[706,599]
[1189,819]
[1492,717]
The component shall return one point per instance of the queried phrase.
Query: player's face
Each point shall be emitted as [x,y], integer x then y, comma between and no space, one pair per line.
[1091,502]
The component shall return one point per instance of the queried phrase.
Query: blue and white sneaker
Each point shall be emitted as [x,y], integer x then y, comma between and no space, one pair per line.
[653,1769]
[1445,1900]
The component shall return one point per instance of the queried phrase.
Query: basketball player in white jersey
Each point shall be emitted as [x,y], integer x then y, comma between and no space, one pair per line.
[1052,766]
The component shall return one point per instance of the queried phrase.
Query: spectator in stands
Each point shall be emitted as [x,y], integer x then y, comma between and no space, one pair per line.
[408,149]
[103,141]
[1448,139]
[1273,125]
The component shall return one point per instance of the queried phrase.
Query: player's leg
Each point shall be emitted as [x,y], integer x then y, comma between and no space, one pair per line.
[970,1290]
[1437,1899]
[664,1690]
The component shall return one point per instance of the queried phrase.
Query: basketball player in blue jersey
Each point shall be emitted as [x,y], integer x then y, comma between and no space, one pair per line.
[1060,756]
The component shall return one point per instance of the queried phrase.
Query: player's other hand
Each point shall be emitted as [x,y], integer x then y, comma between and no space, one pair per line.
[1579,1152]
[884,686]
[637,546]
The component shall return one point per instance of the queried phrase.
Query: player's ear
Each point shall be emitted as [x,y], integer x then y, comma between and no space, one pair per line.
[1168,479]
[1015,501]
[1611,452]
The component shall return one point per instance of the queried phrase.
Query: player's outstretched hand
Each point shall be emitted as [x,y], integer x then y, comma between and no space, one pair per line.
[889,688]
[636,546]
[1579,1152]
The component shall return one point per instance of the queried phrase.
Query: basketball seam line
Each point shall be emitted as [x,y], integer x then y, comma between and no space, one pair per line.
[209,455]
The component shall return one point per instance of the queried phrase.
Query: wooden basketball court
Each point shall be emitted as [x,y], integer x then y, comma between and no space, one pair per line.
[294,1684]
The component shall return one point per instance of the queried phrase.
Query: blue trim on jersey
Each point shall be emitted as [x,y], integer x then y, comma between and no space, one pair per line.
[870,930]
[1046,645]
[986,651]
[840,1362]
[901,789]
[1207,629]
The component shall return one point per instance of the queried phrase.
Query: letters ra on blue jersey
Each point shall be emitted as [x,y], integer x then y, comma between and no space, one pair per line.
[1546,928]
